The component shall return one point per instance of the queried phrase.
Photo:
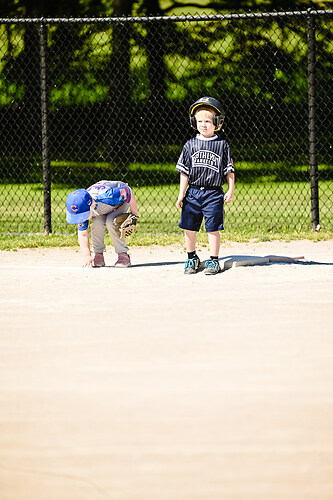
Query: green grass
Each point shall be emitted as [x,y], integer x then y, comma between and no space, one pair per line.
[261,211]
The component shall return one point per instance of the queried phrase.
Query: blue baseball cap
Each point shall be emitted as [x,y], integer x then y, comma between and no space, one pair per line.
[78,205]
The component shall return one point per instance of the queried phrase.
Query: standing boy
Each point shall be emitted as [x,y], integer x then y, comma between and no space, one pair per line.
[101,203]
[204,164]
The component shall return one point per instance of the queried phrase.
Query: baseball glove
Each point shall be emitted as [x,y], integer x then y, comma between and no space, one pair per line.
[125,224]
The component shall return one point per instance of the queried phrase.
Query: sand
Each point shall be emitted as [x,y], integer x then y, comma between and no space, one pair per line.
[146,384]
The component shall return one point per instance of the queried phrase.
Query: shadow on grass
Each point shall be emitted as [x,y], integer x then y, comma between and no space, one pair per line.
[29,171]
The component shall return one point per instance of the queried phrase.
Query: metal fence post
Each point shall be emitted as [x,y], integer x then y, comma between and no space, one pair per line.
[45,152]
[314,175]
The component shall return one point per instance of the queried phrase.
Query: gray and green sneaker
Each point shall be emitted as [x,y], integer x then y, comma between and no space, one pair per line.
[192,265]
[212,267]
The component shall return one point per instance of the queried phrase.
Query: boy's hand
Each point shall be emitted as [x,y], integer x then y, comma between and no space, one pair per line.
[228,196]
[125,224]
[87,261]
[179,202]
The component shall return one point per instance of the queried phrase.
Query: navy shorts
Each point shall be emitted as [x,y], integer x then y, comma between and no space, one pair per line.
[203,203]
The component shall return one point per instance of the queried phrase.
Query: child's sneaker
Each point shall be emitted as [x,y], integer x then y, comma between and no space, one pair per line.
[98,260]
[192,265]
[212,266]
[124,260]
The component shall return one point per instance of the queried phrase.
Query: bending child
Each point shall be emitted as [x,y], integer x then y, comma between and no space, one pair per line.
[101,203]
[204,165]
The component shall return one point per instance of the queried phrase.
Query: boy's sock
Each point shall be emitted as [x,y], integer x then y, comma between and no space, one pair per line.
[190,255]
[212,257]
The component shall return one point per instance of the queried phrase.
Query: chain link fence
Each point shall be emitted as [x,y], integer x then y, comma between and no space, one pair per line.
[83,100]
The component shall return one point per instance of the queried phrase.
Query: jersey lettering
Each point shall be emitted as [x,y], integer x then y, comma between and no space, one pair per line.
[208,159]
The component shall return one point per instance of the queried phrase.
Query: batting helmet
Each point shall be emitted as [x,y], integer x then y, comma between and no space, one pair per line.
[207,102]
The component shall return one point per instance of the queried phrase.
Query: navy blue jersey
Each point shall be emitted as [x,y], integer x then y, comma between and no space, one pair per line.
[205,161]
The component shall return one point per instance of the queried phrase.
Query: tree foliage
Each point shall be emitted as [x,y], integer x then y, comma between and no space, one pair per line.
[143,67]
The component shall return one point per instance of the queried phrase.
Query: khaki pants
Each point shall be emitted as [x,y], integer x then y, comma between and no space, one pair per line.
[97,226]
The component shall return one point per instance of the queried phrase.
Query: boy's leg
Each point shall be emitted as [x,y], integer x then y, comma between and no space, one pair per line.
[212,265]
[214,219]
[97,227]
[214,240]
[118,243]
[193,262]
[190,240]
[190,221]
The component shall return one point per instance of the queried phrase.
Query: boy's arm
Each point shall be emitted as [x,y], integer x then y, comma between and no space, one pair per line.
[83,237]
[182,189]
[133,204]
[231,187]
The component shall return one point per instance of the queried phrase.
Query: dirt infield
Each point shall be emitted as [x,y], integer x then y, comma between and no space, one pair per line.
[145,384]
